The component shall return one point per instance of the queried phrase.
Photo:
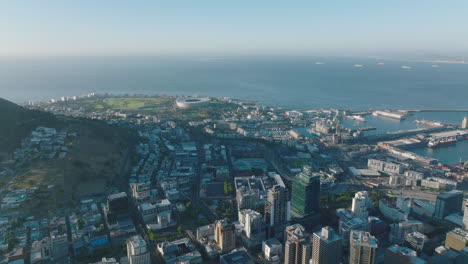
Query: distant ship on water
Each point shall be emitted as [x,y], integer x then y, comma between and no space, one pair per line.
[358,65]
[357,118]
[435,66]
[319,63]
[441,142]
[380,63]
[406,67]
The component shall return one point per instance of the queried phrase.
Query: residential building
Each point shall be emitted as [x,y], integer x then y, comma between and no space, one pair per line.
[179,251]
[150,210]
[108,261]
[272,249]
[465,214]
[384,166]
[117,207]
[140,191]
[361,203]
[277,208]
[206,239]
[40,251]
[416,241]
[362,248]
[236,256]
[413,178]
[354,224]
[377,227]
[247,198]
[118,203]
[390,210]
[205,231]
[448,203]
[156,215]
[327,247]
[445,255]
[396,180]
[401,255]
[137,251]
[457,239]
[398,231]
[52,248]
[225,235]
[59,246]
[439,183]
[462,258]
[297,248]
[253,223]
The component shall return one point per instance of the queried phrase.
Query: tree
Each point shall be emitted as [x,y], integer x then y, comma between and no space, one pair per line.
[31,182]
[80,223]
[227,188]
[97,224]
[202,222]
[179,229]
[375,196]
[12,242]
[152,236]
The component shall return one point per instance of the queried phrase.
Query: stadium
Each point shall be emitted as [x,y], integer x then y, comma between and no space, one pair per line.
[192,102]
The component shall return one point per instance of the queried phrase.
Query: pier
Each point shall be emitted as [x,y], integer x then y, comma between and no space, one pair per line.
[437,110]
[367,128]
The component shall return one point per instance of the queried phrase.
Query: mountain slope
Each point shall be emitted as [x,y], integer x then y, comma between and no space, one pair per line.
[17,122]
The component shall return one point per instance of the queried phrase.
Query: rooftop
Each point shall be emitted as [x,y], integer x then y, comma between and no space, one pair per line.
[417,236]
[117,195]
[402,251]
[272,242]
[426,205]
[205,227]
[137,241]
[362,238]
[328,234]
[459,233]
[237,256]
[147,206]
[449,194]
[354,223]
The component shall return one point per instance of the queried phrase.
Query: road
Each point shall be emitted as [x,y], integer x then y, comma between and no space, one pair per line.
[419,195]
[71,249]
[272,157]
[196,187]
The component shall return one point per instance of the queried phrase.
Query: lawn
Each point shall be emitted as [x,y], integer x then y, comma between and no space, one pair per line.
[39,173]
[137,103]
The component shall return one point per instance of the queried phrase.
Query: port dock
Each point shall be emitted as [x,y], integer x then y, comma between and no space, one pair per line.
[437,110]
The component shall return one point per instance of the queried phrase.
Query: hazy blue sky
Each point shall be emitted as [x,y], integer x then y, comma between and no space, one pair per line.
[176,26]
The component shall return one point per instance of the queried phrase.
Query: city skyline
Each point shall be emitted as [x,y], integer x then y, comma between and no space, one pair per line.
[233,132]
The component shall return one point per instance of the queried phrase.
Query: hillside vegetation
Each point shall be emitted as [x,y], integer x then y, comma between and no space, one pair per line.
[17,122]
[96,162]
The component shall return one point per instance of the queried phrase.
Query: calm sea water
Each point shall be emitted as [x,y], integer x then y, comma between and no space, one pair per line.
[449,154]
[385,124]
[293,82]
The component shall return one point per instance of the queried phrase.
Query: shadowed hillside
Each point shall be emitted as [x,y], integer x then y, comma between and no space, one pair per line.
[97,157]
[17,122]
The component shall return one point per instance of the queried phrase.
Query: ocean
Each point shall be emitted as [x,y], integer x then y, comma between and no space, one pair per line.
[295,82]
[287,81]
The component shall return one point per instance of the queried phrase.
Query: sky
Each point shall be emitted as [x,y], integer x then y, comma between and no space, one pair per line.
[31,27]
